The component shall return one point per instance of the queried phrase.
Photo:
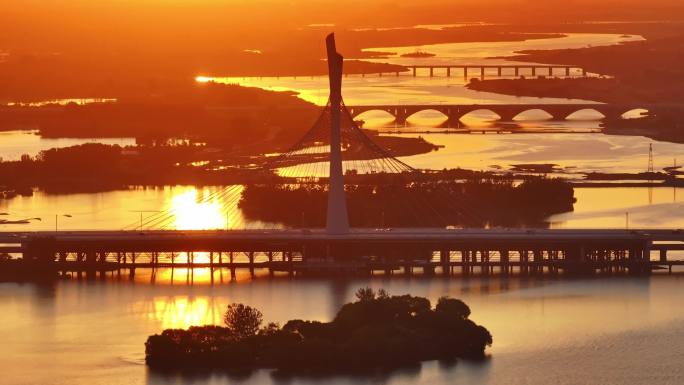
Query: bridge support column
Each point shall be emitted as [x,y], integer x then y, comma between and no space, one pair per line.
[432,71]
[448,72]
[499,71]
[504,262]
[414,72]
[400,117]
[517,71]
[482,72]
[534,71]
[465,262]
[251,263]
[444,257]
[567,71]
[550,71]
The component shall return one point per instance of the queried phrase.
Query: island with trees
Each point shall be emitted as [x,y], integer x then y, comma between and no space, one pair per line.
[376,332]
[417,200]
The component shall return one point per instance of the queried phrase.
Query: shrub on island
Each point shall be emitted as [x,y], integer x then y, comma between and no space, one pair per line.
[377,331]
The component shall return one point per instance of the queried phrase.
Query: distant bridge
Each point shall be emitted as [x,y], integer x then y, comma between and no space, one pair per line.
[513,69]
[506,112]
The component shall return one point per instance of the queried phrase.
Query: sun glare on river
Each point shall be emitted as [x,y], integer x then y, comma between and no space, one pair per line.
[193,211]
[183,311]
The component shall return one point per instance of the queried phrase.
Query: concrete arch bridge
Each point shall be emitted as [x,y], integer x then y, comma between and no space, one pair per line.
[505,112]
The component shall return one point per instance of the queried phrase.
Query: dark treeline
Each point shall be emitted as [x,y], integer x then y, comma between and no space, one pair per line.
[96,167]
[471,203]
[377,331]
[99,167]
[241,119]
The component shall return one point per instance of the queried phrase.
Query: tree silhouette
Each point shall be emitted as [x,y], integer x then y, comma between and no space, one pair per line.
[243,321]
[452,307]
[365,294]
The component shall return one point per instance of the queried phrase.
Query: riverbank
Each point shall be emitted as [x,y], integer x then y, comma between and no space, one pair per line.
[648,72]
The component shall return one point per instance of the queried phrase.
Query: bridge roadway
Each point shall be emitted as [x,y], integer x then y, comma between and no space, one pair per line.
[486,251]
[480,69]
[507,112]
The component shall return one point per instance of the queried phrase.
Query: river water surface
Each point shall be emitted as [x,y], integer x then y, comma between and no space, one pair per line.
[598,331]
[604,331]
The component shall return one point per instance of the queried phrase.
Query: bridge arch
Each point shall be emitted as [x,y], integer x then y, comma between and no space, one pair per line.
[479,116]
[586,114]
[356,111]
[534,114]
[376,117]
[429,116]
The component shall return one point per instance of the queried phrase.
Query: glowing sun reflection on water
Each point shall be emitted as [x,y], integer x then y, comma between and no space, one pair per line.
[184,311]
[192,212]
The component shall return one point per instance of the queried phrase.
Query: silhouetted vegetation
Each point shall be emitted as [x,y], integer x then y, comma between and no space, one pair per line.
[98,167]
[472,203]
[377,331]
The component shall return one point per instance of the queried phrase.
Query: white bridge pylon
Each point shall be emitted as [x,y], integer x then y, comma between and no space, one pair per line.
[337,220]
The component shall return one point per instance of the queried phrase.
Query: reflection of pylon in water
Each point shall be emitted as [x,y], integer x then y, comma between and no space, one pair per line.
[650,158]
[650,172]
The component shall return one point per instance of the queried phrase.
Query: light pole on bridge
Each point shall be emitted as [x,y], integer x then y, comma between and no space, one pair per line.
[57,219]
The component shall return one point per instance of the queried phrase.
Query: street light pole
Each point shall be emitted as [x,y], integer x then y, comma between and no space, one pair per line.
[57,219]
[141,212]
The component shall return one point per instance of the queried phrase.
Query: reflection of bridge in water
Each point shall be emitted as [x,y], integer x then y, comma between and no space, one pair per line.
[506,112]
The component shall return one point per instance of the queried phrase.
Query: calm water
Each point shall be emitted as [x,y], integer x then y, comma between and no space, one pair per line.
[14,144]
[573,152]
[186,207]
[491,52]
[406,89]
[614,331]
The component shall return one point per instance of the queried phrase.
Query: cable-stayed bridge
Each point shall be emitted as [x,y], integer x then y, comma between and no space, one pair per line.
[347,153]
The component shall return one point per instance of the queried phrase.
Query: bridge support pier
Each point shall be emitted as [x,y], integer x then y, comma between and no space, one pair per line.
[444,257]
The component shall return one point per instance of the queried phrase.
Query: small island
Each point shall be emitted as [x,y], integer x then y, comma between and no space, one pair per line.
[376,332]
[418,54]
